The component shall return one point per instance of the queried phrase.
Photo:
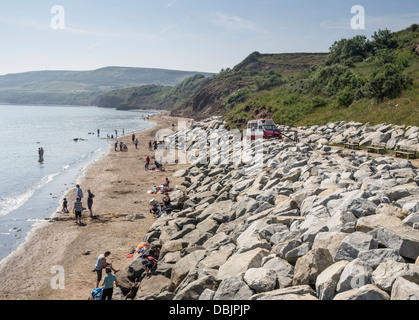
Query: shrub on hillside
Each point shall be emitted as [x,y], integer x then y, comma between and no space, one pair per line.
[388,81]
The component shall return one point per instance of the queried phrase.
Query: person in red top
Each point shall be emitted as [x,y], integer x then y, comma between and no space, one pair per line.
[133,137]
[150,264]
[147,162]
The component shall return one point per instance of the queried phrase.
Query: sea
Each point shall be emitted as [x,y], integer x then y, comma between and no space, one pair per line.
[31,190]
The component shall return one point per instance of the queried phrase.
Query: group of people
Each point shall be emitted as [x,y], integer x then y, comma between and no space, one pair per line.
[122,146]
[105,283]
[78,205]
[104,288]
[158,165]
[158,208]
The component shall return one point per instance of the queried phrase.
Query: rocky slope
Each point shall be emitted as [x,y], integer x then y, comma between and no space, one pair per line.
[312,222]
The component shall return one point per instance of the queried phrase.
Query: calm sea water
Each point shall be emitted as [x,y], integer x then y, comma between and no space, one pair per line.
[31,191]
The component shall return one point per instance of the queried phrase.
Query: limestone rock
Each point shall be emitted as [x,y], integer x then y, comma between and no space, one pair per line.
[309,266]
[356,273]
[327,281]
[353,244]
[387,272]
[404,290]
[194,289]
[300,292]
[184,265]
[376,256]
[284,271]
[367,292]
[154,286]
[233,288]
[260,279]
[239,263]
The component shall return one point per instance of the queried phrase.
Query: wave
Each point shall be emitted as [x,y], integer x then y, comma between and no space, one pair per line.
[13,202]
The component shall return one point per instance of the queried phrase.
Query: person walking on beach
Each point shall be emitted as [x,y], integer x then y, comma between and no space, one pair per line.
[116,145]
[133,138]
[79,192]
[136,143]
[107,284]
[90,203]
[77,209]
[150,147]
[101,264]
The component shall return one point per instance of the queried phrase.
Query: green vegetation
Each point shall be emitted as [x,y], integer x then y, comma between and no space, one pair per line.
[152,96]
[362,80]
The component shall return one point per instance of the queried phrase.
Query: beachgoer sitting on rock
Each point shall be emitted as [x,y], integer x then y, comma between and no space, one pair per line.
[166,203]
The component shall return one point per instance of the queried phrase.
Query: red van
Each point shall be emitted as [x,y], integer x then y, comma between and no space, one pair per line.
[262,128]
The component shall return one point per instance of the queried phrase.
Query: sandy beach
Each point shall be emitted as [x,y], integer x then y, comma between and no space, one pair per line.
[119,183]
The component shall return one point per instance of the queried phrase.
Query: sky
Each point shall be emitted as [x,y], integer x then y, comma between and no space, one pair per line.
[190,35]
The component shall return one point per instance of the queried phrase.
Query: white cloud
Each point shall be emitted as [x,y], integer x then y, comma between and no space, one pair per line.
[236,23]
[171,3]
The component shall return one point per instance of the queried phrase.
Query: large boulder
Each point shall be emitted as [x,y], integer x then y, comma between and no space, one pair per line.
[301,292]
[327,281]
[353,244]
[356,273]
[376,256]
[284,271]
[404,240]
[195,288]
[367,292]
[185,264]
[239,263]
[261,279]
[387,272]
[404,290]
[153,286]
[309,266]
[233,288]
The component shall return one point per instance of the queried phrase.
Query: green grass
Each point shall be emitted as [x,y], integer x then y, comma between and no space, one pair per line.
[294,103]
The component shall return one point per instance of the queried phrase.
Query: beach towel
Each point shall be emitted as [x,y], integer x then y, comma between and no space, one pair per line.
[153,192]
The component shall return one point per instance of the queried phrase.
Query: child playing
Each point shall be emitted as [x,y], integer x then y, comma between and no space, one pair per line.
[65,209]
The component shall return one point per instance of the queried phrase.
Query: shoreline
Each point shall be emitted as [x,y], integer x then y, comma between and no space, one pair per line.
[119,182]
